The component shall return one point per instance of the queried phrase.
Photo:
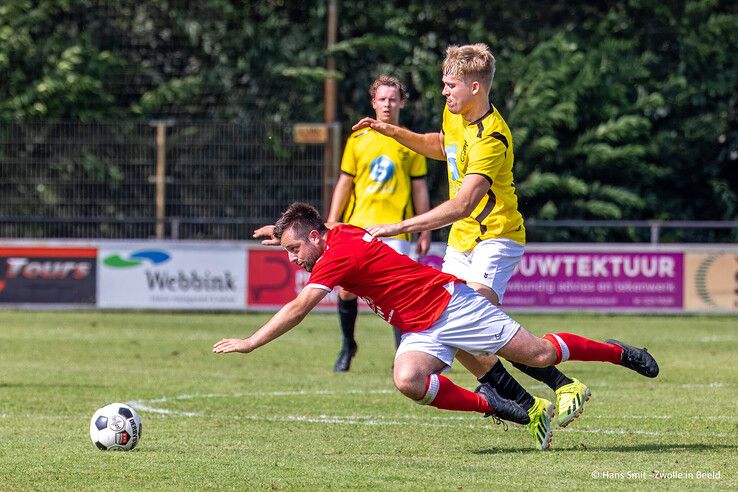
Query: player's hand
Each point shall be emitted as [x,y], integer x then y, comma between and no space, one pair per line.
[383,230]
[268,233]
[364,123]
[228,345]
[423,245]
[380,126]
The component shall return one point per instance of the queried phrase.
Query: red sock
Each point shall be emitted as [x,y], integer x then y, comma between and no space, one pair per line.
[441,393]
[573,347]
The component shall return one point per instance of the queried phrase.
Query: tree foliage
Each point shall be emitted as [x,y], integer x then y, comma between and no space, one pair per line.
[619,110]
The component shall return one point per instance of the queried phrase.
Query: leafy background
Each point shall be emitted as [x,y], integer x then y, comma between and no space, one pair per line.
[619,110]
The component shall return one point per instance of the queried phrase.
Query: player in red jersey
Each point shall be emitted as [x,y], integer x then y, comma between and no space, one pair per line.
[438,314]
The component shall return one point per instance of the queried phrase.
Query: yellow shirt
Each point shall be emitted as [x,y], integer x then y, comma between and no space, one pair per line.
[482,147]
[382,171]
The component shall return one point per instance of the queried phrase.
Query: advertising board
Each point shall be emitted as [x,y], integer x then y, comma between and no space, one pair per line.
[172,276]
[47,275]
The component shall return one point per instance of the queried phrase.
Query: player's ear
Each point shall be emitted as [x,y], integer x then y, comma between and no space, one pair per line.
[475,87]
[314,237]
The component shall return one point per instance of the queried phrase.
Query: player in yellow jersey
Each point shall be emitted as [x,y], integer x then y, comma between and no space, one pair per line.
[487,237]
[381,181]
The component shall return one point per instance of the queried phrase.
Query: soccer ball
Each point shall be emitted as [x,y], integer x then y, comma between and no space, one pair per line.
[115,427]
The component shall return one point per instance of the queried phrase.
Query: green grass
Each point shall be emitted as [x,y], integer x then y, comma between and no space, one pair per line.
[279,419]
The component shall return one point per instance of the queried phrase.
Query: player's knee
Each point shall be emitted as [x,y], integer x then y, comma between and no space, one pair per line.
[543,356]
[410,382]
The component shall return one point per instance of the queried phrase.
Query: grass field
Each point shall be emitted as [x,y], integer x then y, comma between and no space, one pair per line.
[279,419]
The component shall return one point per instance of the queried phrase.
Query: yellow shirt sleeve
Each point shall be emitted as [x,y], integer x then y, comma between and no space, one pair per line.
[486,157]
[418,167]
[348,161]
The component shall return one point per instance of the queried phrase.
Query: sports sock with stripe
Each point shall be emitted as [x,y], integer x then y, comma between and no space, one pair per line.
[574,347]
[442,393]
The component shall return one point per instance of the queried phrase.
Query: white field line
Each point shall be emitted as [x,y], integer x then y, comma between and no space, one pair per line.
[396,420]
[699,386]
[714,385]
[372,420]
[716,338]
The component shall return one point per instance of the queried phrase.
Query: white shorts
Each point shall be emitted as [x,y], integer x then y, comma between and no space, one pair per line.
[470,323]
[400,245]
[492,262]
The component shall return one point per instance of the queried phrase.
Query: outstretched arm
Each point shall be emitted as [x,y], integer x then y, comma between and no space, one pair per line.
[428,144]
[267,234]
[472,190]
[286,318]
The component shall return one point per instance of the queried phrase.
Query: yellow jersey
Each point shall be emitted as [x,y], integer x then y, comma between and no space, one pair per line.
[482,147]
[382,170]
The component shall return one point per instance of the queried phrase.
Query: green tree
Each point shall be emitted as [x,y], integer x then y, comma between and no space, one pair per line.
[619,110]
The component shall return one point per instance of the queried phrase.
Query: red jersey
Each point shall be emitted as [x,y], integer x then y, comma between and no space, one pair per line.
[406,294]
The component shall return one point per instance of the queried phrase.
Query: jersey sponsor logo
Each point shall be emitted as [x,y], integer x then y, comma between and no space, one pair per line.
[381,169]
[453,166]
[464,151]
[378,309]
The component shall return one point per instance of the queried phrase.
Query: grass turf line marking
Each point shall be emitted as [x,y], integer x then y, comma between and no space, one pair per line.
[146,405]
[383,421]
[714,385]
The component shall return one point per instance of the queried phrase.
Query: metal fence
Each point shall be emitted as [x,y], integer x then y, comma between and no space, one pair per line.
[634,231]
[214,180]
[209,180]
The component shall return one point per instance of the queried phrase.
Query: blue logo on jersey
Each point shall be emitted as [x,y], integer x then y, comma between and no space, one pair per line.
[381,169]
[453,167]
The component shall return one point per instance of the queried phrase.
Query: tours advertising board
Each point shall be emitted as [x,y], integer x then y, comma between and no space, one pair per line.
[47,275]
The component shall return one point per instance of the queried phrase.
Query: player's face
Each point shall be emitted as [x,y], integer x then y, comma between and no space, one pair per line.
[302,252]
[459,96]
[387,104]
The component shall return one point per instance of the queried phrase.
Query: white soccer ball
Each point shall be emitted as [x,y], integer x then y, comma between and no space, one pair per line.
[115,427]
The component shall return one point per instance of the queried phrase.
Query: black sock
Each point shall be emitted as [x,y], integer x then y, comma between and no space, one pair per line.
[550,375]
[398,335]
[507,386]
[347,311]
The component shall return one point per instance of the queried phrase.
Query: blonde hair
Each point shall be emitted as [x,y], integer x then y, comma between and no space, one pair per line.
[389,81]
[470,62]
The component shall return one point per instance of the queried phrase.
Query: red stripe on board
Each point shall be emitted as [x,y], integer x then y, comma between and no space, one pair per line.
[53,252]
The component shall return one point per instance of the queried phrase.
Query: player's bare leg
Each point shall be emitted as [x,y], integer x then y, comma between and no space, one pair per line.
[417,376]
[571,394]
[554,348]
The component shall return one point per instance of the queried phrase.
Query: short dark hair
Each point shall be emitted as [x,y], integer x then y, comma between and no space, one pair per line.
[389,81]
[302,218]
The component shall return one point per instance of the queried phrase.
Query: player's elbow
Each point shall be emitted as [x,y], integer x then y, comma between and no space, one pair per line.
[463,207]
[297,310]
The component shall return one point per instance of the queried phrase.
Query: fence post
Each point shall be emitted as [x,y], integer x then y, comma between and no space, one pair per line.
[161,174]
[174,233]
[655,231]
[330,156]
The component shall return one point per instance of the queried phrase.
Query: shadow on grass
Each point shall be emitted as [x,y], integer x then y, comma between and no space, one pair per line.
[638,448]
